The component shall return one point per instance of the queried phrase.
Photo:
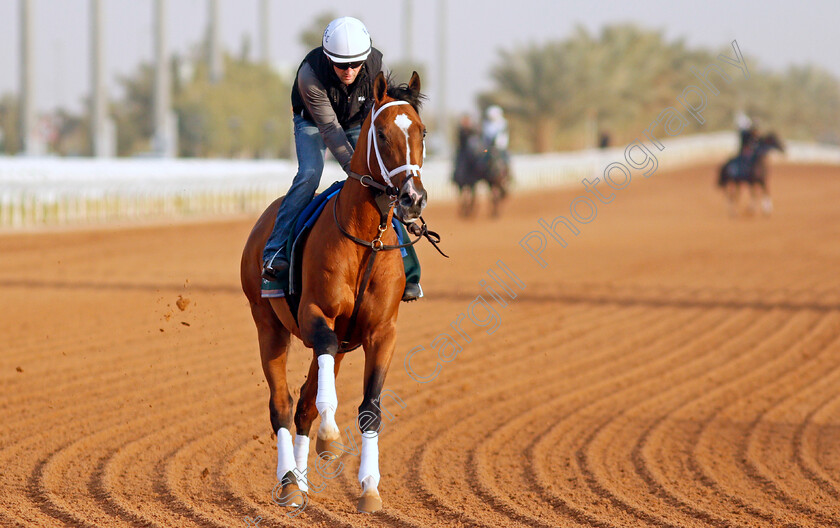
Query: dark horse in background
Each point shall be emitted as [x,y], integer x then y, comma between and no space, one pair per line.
[750,168]
[348,298]
[475,162]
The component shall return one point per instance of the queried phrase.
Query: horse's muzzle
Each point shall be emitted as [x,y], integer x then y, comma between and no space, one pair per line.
[411,200]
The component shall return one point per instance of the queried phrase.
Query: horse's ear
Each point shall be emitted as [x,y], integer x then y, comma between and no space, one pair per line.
[414,83]
[380,87]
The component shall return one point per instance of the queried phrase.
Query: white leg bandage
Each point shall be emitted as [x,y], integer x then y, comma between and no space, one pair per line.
[369,466]
[285,453]
[326,401]
[326,398]
[301,460]
[767,205]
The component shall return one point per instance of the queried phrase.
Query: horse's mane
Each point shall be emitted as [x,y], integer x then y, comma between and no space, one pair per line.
[402,92]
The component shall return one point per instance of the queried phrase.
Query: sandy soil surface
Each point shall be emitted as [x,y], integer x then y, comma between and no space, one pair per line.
[671,367]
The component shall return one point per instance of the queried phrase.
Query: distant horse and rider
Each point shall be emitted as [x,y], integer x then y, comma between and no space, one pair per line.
[749,168]
[482,156]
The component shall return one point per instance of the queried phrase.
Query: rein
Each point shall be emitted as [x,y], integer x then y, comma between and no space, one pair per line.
[385,198]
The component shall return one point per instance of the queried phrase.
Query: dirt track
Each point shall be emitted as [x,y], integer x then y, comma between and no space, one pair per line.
[671,367]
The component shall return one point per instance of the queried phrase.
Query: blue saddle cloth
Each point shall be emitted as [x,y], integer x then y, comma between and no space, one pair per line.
[312,211]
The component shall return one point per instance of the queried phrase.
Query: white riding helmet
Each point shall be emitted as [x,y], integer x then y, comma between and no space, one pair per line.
[346,39]
[494,113]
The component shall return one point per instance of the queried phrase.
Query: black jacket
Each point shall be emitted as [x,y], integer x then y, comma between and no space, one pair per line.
[350,103]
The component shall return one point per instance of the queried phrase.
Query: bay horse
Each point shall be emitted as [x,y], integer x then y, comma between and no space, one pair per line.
[476,163]
[750,168]
[350,294]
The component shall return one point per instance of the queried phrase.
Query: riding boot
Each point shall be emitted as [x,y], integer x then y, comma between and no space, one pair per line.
[276,268]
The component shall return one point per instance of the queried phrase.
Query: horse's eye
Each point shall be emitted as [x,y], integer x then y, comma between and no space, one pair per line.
[424,133]
[380,135]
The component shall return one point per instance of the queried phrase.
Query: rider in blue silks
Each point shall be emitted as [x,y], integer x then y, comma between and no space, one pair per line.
[331,96]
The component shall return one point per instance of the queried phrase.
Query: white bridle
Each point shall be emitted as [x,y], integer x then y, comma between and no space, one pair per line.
[413,170]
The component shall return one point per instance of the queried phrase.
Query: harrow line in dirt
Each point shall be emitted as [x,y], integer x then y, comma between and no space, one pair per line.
[809,504]
[804,459]
[451,409]
[690,463]
[670,395]
[658,486]
[579,456]
[734,386]
[518,389]
[591,368]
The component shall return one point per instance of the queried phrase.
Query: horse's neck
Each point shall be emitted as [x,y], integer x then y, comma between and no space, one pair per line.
[762,150]
[357,210]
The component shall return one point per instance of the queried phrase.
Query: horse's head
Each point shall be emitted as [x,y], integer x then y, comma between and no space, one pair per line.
[771,141]
[395,144]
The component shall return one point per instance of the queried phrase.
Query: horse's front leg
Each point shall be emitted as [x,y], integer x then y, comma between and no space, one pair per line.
[317,332]
[379,348]
[304,417]
[732,198]
[763,193]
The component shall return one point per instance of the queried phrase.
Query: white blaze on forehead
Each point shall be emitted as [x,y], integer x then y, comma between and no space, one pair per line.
[403,122]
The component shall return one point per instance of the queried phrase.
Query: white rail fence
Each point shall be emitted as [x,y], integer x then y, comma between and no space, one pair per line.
[59,191]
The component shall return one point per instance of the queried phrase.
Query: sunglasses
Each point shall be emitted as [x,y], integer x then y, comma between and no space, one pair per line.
[347,65]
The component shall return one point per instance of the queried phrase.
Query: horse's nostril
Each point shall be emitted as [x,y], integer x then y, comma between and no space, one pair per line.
[406,200]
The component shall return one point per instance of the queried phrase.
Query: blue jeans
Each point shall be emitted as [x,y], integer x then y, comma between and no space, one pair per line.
[310,149]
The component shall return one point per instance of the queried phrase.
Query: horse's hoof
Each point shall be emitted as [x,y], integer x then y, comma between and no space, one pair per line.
[369,503]
[324,448]
[291,495]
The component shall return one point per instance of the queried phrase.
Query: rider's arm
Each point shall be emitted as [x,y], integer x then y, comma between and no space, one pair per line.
[502,139]
[318,105]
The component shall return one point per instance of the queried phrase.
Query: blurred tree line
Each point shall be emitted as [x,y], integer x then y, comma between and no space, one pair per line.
[245,114]
[558,95]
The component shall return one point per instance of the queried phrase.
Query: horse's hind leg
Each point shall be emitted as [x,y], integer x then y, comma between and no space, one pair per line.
[464,201]
[274,346]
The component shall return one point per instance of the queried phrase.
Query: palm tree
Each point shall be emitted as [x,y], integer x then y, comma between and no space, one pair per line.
[531,87]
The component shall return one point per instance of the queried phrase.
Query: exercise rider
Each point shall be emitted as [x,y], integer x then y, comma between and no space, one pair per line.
[331,96]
